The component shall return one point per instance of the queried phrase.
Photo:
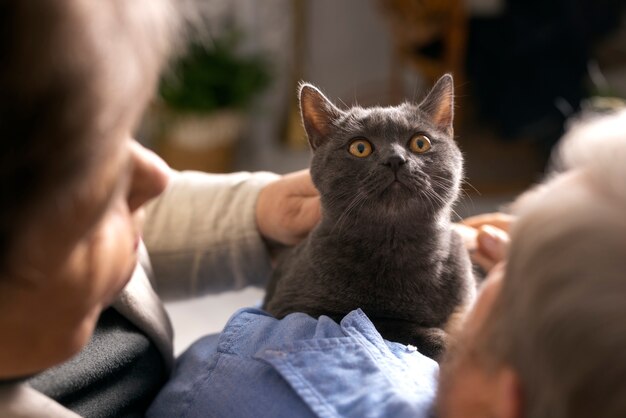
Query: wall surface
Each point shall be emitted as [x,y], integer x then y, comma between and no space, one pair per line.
[347,54]
[348,48]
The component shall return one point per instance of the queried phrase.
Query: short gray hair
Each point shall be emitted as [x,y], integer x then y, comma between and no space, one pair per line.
[560,319]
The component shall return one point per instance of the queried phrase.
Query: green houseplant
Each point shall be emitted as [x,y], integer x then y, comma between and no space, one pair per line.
[203,103]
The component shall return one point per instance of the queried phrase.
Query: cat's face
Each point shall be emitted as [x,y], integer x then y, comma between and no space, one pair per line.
[384,162]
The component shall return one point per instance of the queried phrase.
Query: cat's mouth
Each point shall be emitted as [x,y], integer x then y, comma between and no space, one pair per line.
[397,184]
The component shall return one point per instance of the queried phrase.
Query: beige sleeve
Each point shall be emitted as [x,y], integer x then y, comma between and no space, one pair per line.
[202,237]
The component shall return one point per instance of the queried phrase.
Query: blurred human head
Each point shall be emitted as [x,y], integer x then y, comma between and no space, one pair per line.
[76,76]
[547,336]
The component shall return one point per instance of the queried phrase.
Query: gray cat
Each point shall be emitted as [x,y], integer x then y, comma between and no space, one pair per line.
[388,178]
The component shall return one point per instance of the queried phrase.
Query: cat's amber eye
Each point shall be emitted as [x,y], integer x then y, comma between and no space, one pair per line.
[419,143]
[360,148]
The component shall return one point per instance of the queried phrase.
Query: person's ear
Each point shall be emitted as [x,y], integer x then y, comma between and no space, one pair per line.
[507,402]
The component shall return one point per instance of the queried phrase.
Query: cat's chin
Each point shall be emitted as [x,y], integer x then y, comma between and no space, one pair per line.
[398,199]
[395,189]
[398,184]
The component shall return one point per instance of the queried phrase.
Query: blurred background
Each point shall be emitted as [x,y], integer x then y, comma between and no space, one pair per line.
[523,69]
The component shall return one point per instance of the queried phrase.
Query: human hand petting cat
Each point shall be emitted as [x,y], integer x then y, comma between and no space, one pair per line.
[486,236]
[288,208]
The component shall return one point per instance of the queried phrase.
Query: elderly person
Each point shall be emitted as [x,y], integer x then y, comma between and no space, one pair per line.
[546,337]
[82,330]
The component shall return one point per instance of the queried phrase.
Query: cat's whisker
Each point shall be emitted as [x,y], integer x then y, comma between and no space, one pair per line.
[339,197]
[432,200]
[464,202]
[344,215]
[437,196]
[440,177]
[425,192]
[358,204]
[432,206]
[472,186]
[467,202]
[465,194]
[358,201]
[445,182]
[356,208]
[446,179]
[459,218]
[442,201]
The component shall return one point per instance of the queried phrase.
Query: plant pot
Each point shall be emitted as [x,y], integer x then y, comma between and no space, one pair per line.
[200,141]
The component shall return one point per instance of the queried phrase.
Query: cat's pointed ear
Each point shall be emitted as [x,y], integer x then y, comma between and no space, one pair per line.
[318,114]
[439,104]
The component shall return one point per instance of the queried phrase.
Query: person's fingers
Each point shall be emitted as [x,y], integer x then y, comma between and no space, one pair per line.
[491,247]
[500,220]
[288,208]
[486,245]
[302,198]
[468,234]
[492,242]
[309,216]
[482,260]
[299,183]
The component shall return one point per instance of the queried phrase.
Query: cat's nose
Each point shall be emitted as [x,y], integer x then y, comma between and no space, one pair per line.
[395,162]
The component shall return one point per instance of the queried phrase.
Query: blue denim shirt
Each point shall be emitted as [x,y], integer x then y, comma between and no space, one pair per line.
[298,367]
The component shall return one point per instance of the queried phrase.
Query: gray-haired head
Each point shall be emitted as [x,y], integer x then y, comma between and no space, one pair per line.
[559,319]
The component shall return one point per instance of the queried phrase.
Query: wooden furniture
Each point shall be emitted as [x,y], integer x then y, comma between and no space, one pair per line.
[429,36]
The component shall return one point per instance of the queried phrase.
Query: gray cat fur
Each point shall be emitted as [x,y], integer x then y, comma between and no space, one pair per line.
[384,246]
